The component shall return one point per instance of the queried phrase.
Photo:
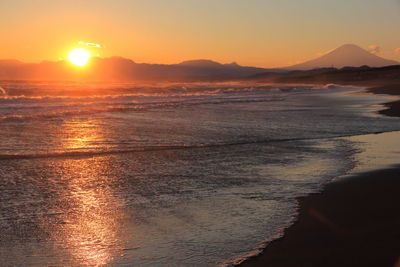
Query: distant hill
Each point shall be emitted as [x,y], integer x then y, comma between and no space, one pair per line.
[203,63]
[363,75]
[122,69]
[345,55]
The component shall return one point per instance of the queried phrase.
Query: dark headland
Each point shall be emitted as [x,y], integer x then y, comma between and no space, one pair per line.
[352,222]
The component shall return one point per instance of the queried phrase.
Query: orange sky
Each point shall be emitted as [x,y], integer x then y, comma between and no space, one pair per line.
[253,32]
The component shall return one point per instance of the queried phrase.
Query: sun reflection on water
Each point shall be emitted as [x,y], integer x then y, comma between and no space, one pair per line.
[81,134]
[89,230]
[89,227]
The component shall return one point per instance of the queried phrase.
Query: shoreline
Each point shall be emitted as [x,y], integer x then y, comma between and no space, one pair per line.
[351,222]
[392,107]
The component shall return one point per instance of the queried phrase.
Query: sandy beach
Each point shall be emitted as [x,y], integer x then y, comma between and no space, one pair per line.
[353,222]
[392,108]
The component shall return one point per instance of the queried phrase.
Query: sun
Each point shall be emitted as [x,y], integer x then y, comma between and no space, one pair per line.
[79,57]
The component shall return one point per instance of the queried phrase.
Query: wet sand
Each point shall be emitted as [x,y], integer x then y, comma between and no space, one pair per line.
[392,108]
[353,222]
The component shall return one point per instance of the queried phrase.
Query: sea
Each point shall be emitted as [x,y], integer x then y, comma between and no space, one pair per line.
[201,174]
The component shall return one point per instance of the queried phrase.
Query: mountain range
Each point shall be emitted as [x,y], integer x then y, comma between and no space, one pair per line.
[125,70]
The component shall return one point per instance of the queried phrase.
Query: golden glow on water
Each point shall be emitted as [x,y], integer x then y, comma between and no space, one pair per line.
[90,228]
[89,233]
[81,134]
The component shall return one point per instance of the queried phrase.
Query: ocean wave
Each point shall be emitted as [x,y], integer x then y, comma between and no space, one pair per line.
[92,108]
[73,154]
[81,91]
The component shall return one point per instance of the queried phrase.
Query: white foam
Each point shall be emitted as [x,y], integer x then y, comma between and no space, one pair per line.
[3,91]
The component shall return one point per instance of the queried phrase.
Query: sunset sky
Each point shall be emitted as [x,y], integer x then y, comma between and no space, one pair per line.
[267,33]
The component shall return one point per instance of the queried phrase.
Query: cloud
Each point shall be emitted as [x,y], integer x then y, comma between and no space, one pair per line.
[374,49]
[90,44]
[397,50]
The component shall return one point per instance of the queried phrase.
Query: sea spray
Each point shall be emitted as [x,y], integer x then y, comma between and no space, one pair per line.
[3,91]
